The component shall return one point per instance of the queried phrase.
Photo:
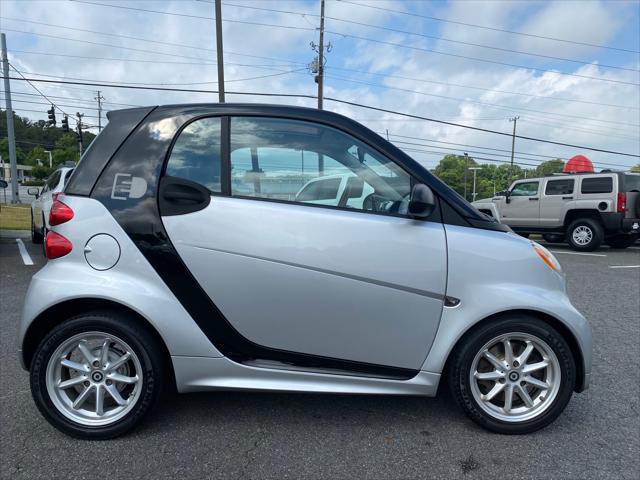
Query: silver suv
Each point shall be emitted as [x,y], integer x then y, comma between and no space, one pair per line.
[585,209]
[182,254]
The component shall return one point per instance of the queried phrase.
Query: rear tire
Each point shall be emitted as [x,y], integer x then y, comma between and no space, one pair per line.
[553,237]
[482,386]
[36,236]
[113,374]
[621,241]
[585,235]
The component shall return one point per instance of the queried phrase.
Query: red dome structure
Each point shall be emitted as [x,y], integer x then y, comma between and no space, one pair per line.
[578,164]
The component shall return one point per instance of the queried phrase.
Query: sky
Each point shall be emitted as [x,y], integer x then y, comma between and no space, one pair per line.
[568,70]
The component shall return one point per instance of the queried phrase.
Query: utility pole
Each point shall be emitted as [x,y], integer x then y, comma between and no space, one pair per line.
[513,145]
[475,169]
[466,159]
[220,56]
[79,132]
[15,197]
[321,57]
[99,99]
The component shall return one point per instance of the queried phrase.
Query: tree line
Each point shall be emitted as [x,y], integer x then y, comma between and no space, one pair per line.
[33,138]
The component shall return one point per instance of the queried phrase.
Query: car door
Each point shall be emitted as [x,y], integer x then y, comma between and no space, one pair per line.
[557,197]
[522,207]
[324,282]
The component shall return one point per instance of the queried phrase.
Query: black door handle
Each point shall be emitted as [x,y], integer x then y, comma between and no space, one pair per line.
[533,199]
[178,196]
[567,198]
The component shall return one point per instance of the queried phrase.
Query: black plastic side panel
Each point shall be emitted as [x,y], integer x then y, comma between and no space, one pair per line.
[121,124]
[142,156]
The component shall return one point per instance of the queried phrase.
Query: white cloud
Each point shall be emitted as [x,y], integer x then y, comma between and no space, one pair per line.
[597,24]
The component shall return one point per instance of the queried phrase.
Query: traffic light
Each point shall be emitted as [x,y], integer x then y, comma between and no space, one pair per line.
[52,115]
[65,124]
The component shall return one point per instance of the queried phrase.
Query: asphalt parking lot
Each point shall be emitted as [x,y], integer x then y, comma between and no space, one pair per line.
[259,435]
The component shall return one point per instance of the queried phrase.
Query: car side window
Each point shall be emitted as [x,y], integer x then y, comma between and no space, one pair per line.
[196,154]
[323,189]
[525,189]
[559,187]
[52,181]
[305,162]
[597,185]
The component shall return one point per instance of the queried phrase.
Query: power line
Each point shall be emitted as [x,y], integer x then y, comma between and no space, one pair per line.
[477,59]
[40,111]
[550,157]
[58,105]
[443,39]
[200,17]
[555,39]
[337,100]
[449,84]
[463,100]
[549,124]
[76,99]
[141,39]
[155,52]
[36,88]
[349,80]
[170,84]
[606,164]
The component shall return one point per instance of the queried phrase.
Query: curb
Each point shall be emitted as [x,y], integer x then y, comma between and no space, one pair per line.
[15,234]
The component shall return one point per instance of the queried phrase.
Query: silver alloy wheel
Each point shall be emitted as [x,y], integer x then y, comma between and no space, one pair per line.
[94,378]
[582,235]
[515,377]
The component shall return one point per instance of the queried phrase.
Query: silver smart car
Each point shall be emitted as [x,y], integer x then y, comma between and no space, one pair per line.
[181,254]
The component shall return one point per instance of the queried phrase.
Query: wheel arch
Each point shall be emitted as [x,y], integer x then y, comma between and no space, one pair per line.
[554,322]
[579,213]
[58,313]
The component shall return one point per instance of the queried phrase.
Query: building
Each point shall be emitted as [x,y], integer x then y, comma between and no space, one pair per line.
[24,172]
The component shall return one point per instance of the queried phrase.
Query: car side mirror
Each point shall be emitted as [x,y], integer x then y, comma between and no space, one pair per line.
[422,202]
[35,191]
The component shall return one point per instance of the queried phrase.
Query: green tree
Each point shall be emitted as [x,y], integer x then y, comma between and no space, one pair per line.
[41,172]
[451,170]
[549,167]
[636,168]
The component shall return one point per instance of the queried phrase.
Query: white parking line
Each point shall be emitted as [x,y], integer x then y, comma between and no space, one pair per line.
[23,252]
[624,266]
[579,253]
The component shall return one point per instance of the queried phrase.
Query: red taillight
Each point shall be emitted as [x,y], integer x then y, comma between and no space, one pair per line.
[59,213]
[622,202]
[56,246]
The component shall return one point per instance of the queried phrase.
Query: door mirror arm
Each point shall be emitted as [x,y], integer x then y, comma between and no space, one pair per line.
[422,202]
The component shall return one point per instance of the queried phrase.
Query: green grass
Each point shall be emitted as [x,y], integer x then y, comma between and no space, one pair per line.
[15,217]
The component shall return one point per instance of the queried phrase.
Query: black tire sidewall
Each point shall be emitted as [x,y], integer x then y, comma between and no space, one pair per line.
[143,344]
[596,229]
[466,351]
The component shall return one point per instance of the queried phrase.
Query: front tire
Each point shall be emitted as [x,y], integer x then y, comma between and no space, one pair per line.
[514,375]
[585,235]
[97,375]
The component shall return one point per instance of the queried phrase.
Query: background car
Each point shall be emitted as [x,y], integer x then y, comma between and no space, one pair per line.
[44,199]
[585,209]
